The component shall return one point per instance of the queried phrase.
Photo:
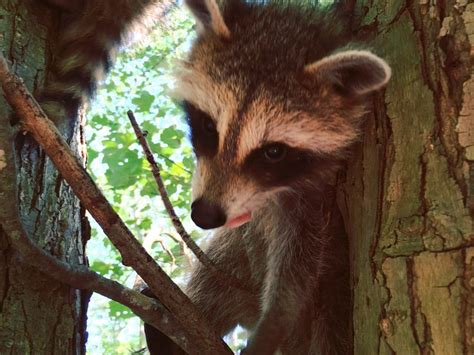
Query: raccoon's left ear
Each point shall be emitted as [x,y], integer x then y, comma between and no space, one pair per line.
[208,16]
[351,72]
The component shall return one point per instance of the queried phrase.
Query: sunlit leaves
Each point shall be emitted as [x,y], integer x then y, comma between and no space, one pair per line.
[140,81]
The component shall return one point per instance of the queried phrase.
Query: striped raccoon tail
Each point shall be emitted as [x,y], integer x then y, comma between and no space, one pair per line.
[90,34]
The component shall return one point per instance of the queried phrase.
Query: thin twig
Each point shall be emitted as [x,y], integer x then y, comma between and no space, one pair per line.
[153,238]
[200,255]
[175,164]
[34,120]
[168,251]
[175,239]
[185,252]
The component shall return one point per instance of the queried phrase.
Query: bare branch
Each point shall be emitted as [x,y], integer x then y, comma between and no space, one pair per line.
[200,255]
[167,250]
[150,239]
[78,276]
[81,277]
[185,252]
[34,120]
[175,239]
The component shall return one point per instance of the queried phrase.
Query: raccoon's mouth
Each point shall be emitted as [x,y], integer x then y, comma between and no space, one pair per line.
[239,220]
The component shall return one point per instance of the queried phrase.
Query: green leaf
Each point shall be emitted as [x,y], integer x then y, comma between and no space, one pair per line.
[145,224]
[117,310]
[119,179]
[144,101]
[91,155]
[100,267]
[149,189]
[172,137]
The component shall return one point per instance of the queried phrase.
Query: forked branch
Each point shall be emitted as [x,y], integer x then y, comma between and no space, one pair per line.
[35,121]
[78,276]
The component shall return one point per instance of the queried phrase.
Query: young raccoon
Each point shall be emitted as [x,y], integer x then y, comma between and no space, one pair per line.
[273,102]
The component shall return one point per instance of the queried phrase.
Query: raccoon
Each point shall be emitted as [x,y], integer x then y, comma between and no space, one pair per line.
[90,34]
[274,96]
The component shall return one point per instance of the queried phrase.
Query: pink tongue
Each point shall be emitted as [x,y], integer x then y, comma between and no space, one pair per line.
[238,221]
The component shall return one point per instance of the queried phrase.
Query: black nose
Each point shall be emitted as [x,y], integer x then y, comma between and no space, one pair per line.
[206,214]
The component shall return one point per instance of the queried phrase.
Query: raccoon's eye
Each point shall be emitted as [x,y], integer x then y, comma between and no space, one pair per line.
[203,131]
[274,152]
[209,126]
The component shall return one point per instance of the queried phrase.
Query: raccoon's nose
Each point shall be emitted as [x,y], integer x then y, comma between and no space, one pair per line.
[207,215]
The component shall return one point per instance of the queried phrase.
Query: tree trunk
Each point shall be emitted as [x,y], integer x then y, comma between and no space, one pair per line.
[37,314]
[408,194]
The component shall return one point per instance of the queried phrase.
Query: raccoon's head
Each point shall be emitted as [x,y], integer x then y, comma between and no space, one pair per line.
[272,102]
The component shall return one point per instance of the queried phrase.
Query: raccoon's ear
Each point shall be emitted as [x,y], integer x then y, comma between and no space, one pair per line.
[208,16]
[351,72]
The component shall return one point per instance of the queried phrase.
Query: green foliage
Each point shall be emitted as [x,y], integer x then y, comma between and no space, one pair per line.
[140,81]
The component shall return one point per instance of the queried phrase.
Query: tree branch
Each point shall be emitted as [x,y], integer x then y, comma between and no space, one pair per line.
[200,255]
[78,276]
[34,120]
[81,277]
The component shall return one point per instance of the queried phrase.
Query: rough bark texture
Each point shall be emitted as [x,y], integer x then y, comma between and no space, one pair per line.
[408,194]
[38,315]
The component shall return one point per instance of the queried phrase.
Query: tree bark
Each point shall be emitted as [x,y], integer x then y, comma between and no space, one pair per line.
[408,193]
[37,314]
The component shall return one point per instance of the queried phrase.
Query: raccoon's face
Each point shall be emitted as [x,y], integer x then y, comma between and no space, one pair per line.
[263,125]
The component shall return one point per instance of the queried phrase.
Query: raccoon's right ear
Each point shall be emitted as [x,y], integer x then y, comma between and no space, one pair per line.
[351,72]
[208,16]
